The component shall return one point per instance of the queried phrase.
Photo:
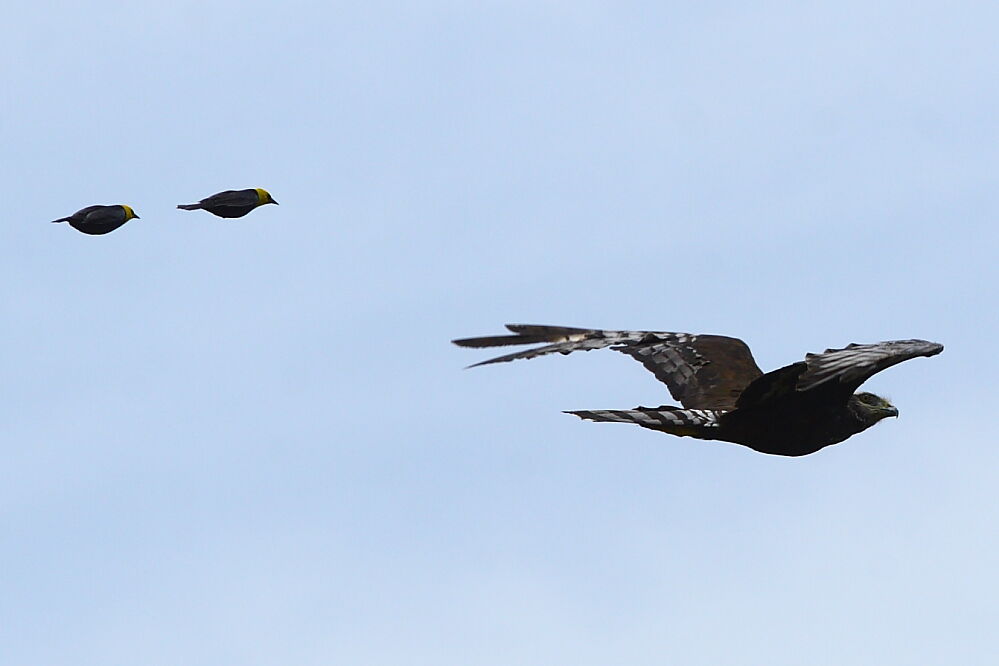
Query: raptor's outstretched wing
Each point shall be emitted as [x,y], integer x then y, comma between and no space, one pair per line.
[852,366]
[701,371]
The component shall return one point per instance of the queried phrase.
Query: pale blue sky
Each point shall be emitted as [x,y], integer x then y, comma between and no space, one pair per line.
[250,442]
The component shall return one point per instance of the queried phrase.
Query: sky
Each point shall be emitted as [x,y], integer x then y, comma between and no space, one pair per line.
[250,441]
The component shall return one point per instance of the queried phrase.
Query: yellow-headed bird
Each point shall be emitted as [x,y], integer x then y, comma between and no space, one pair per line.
[232,203]
[97,220]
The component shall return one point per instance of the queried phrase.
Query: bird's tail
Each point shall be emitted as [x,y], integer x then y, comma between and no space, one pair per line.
[189,206]
[700,423]
[61,219]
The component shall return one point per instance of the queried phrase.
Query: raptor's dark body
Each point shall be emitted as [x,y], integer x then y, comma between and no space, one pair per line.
[795,425]
[791,411]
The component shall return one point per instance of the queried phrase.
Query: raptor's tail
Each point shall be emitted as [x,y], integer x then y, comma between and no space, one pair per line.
[189,206]
[700,423]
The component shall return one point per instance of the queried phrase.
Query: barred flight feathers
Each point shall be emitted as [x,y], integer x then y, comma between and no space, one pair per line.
[855,364]
[701,371]
[792,411]
[699,423]
[525,335]
[565,341]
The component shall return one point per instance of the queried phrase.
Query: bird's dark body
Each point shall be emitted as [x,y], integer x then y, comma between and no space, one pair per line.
[229,204]
[792,411]
[797,426]
[96,220]
[772,416]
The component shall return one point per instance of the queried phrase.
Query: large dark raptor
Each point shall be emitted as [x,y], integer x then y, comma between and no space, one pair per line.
[791,411]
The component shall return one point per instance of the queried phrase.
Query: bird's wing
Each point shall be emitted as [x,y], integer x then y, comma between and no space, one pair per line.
[850,367]
[701,371]
[231,198]
[103,214]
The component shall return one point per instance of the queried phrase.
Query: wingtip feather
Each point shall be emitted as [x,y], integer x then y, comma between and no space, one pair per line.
[493,341]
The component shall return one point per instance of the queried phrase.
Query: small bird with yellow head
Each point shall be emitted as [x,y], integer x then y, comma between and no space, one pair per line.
[232,203]
[99,220]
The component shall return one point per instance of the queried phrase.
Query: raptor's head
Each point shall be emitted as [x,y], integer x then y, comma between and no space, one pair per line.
[871,408]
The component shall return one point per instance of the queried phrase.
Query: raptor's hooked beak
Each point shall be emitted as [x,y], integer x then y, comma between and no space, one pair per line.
[892,411]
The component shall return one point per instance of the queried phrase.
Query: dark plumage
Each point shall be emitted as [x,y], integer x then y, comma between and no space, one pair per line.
[232,203]
[792,411]
[98,220]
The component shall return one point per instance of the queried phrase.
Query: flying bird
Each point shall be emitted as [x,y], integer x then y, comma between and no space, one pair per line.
[99,220]
[232,203]
[792,411]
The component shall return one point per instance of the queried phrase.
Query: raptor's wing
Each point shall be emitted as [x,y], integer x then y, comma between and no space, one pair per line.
[701,371]
[852,366]
[836,373]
